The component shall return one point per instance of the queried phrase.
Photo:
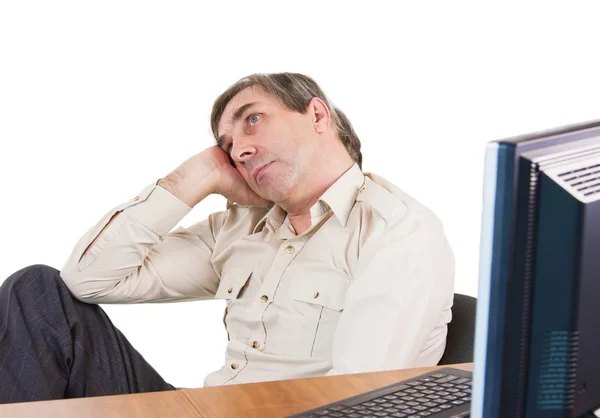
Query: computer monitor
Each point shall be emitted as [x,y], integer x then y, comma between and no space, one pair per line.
[537,338]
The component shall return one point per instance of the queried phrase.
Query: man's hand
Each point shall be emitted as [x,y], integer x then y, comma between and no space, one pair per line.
[208,172]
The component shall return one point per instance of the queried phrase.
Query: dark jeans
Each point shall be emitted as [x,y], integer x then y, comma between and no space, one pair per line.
[53,346]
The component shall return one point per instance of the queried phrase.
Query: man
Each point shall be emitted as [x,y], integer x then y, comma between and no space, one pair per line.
[325,270]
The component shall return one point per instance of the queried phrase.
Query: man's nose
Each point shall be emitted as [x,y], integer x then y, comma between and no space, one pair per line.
[242,150]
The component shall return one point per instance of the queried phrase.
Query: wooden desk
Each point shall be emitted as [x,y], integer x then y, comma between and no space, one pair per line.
[171,404]
[264,400]
[287,397]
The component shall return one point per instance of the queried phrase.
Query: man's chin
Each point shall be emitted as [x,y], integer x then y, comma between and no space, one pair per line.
[273,196]
[274,189]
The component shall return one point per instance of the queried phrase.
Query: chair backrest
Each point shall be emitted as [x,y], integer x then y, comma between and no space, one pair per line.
[461,331]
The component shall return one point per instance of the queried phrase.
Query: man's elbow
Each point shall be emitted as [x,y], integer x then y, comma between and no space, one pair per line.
[78,284]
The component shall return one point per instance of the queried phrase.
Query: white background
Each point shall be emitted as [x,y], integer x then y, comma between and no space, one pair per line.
[99,99]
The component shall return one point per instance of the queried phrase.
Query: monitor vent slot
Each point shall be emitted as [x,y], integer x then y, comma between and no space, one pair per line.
[532,193]
[558,367]
[584,180]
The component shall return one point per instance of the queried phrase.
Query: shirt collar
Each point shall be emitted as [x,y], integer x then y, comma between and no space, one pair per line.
[340,198]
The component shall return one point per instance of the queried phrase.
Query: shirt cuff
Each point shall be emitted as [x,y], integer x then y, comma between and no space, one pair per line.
[159,211]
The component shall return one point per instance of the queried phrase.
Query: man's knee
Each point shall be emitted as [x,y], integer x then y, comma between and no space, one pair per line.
[40,270]
[32,276]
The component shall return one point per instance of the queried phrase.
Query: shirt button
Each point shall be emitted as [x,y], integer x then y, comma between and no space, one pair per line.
[255,344]
[230,290]
[315,295]
[290,249]
[362,189]
[264,298]
[234,366]
[135,199]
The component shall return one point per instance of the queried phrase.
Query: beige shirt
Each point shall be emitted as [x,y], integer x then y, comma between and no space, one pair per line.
[367,287]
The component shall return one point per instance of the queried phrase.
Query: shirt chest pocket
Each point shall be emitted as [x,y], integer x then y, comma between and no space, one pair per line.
[328,291]
[317,303]
[233,282]
[231,288]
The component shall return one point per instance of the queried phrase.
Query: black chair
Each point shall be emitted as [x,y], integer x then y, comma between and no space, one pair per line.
[461,331]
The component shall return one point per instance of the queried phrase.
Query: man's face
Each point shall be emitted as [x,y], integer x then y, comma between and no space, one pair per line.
[270,145]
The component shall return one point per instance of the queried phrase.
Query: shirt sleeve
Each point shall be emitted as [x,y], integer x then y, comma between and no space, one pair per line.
[138,259]
[397,307]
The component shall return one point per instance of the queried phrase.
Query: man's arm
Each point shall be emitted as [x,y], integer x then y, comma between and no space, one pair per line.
[174,183]
[135,258]
[402,294]
[131,256]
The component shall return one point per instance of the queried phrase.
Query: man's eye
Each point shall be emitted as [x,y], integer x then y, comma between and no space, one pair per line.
[253,119]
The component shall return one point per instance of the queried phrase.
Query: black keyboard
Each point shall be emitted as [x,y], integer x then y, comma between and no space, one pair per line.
[442,393]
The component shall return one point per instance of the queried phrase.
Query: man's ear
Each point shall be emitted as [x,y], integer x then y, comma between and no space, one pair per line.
[319,114]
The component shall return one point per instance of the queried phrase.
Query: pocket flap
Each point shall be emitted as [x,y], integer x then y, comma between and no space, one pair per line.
[232,282]
[324,290]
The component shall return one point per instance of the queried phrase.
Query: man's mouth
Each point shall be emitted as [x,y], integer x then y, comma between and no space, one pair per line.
[259,171]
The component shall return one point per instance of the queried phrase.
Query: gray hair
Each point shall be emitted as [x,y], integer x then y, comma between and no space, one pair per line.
[294,91]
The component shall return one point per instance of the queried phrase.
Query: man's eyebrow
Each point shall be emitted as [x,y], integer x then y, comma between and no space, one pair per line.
[237,115]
